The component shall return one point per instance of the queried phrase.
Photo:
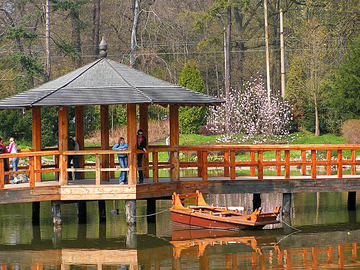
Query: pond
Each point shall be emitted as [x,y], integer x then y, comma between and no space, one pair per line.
[323,234]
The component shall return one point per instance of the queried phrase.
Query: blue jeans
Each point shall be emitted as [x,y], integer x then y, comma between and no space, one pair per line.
[14,163]
[123,161]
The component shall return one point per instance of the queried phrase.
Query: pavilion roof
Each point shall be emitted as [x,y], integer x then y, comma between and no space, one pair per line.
[106,82]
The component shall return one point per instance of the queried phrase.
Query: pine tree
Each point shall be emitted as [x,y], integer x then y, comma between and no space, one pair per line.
[192,118]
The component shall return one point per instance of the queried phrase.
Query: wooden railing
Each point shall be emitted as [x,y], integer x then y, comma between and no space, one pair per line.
[283,158]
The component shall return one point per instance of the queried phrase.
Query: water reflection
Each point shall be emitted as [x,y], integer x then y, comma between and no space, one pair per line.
[329,244]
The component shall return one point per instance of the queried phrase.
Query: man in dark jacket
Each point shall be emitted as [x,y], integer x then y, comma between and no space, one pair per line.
[140,145]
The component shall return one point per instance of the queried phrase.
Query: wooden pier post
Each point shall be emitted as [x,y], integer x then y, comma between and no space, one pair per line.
[81,211]
[131,240]
[104,119]
[79,134]
[36,139]
[130,211]
[143,111]
[151,210]
[131,139]
[56,212]
[102,211]
[352,200]
[256,201]
[35,213]
[286,206]
[174,142]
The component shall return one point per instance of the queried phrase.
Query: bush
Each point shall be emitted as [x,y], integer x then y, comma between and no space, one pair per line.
[351,131]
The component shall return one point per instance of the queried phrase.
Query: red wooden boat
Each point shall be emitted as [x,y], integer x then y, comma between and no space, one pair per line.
[201,214]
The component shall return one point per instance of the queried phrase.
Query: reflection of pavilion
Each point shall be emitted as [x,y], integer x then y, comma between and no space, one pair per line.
[203,249]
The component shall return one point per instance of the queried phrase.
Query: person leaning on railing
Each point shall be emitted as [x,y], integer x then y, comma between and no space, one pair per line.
[12,148]
[3,150]
[123,159]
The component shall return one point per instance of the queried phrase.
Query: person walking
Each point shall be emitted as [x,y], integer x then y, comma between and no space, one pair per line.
[123,159]
[12,149]
[3,150]
[140,145]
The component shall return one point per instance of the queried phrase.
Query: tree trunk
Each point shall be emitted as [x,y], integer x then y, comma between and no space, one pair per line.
[76,35]
[47,41]
[267,54]
[136,7]
[96,27]
[227,50]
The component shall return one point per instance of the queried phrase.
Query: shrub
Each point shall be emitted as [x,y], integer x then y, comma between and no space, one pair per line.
[351,130]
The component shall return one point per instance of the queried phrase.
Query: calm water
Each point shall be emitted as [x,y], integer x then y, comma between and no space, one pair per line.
[329,238]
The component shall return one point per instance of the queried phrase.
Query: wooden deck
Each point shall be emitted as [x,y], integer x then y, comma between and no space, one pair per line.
[338,174]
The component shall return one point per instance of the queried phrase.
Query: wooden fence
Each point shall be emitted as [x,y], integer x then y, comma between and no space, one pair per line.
[283,158]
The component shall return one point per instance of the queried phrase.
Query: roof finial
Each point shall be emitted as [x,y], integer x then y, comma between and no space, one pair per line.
[103,48]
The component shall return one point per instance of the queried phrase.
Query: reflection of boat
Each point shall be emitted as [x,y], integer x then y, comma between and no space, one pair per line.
[194,242]
[203,215]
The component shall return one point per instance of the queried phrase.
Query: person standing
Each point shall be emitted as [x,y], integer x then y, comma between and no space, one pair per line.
[12,149]
[123,159]
[140,145]
[3,150]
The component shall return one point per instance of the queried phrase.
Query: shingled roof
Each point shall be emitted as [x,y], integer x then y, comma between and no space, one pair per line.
[106,82]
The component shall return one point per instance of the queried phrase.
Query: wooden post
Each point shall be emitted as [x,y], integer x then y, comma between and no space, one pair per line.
[303,159]
[102,211]
[353,160]
[352,200]
[97,170]
[31,173]
[35,213]
[151,210]
[340,164]
[286,205]
[80,136]
[131,139]
[252,160]
[174,142]
[56,212]
[278,160]
[204,163]
[155,159]
[260,165]
[287,164]
[226,166]
[199,161]
[143,110]
[63,144]
[130,211]
[104,119]
[328,160]
[313,163]
[2,173]
[232,165]
[36,139]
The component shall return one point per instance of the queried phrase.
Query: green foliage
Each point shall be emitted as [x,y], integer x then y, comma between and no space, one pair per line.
[351,130]
[345,86]
[28,63]
[67,49]
[19,33]
[67,5]
[192,118]
[13,123]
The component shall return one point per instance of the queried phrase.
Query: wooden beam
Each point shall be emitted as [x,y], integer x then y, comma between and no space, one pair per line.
[287,164]
[155,159]
[131,139]
[303,159]
[174,142]
[313,163]
[226,161]
[31,174]
[36,139]
[278,160]
[252,160]
[260,165]
[80,135]
[104,120]
[340,164]
[63,144]
[204,169]
[144,125]
[328,159]
[232,165]
[2,171]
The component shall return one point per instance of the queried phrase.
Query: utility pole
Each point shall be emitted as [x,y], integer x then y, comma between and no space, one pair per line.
[136,7]
[47,41]
[267,54]
[282,54]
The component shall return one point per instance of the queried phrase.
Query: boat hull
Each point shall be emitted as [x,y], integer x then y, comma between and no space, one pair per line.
[191,220]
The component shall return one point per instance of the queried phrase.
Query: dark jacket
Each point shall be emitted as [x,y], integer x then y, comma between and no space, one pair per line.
[142,144]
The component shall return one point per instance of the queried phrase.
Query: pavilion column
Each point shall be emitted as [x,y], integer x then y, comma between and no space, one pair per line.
[63,144]
[143,108]
[104,119]
[131,139]
[80,135]
[36,139]
[174,142]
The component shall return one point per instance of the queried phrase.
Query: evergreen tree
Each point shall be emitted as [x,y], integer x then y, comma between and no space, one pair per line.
[192,118]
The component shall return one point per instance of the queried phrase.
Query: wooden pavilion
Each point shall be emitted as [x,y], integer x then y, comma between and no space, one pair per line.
[105,82]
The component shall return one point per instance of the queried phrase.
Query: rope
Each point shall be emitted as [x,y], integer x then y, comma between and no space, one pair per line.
[152,214]
[289,225]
